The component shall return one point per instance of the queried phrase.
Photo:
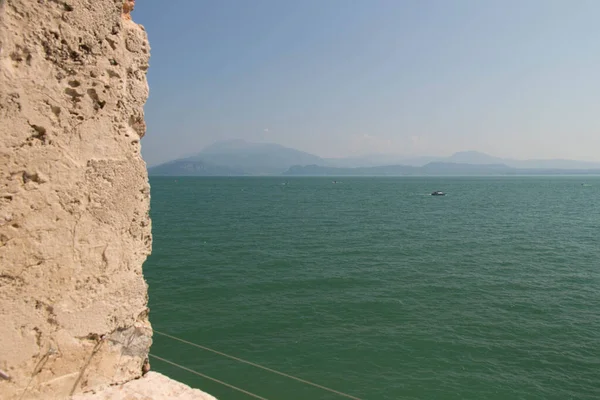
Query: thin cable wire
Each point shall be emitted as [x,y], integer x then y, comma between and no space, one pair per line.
[207,377]
[259,366]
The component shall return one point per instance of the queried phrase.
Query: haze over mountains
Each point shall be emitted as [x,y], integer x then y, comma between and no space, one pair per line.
[463,157]
[239,158]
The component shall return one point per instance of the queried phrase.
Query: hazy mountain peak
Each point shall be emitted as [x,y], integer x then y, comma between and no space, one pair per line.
[474,157]
[250,157]
[229,145]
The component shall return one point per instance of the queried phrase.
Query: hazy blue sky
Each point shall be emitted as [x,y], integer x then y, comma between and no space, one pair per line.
[518,78]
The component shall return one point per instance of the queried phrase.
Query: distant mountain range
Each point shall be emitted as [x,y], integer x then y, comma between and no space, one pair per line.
[189,167]
[239,158]
[462,157]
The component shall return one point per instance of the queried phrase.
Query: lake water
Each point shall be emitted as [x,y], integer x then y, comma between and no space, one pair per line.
[375,288]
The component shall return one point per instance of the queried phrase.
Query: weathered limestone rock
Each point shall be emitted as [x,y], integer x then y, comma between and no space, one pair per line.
[128,6]
[152,386]
[74,197]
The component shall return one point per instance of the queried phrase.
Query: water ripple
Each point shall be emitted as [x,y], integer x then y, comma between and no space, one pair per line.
[376,289]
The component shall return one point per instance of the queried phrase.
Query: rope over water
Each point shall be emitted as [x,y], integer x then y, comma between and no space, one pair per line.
[252,364]
[207,377]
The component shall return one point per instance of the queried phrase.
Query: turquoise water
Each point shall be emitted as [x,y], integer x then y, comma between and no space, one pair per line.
[373,287]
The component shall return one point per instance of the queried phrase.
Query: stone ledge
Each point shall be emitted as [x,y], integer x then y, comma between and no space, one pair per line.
[150,387]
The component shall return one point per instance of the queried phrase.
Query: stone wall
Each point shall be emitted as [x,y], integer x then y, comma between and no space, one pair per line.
[74,197]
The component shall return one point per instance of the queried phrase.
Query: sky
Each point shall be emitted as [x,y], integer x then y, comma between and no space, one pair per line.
[512,78]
